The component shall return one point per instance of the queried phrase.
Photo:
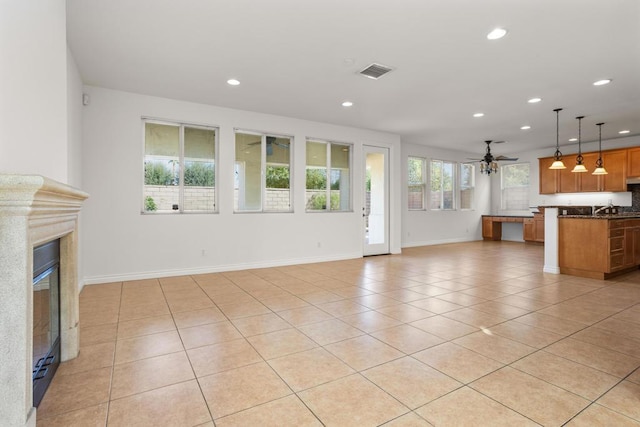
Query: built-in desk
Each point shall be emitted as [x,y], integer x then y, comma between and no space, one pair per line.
[532,228]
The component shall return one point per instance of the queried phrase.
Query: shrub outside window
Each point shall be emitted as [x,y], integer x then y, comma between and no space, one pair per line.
[442,195]
[417,185]
[179,167]
[467,185]
[514,184]
[262,173]
[328,176]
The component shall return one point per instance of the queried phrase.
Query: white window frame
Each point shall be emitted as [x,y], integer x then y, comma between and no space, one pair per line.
[454,185]
[328,168]
[181,126]
[503,204]
[423,184]
[472,187]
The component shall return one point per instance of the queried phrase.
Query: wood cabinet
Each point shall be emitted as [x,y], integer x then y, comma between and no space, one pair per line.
[538,227]
[532,227]
[598,248]
[616,162]
[633,162]
[528,230]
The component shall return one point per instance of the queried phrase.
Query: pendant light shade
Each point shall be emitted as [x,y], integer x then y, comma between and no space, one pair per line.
[579,167]
[557,162]
[600,170]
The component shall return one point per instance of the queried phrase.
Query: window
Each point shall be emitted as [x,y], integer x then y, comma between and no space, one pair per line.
[442,185]
[328,176]
[514,184]
[417,176]
[262,173]
[467,185]
[179,167]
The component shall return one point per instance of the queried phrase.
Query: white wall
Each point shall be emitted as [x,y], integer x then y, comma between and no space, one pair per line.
[119,243]
[428,227]
[33,84]
[74,123]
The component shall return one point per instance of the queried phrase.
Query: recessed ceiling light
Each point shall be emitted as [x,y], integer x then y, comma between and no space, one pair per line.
[534,100]
[624,131]
[525,127]
[478,115]
[347,104]
[497,33]
[233,82]
[573,139]
[602,82]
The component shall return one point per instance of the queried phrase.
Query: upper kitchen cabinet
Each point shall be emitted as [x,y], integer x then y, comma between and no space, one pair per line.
[633,162]
[616,162]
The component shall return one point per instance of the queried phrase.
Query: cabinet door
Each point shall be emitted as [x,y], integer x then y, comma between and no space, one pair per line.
[528,230]
[633,161]
[539,227]
[548,177]
[587,181]
[615,162]
[636,245]
[567,180]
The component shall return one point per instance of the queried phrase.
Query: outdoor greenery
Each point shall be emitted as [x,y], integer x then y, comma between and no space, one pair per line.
[316,179]
[319,202]
[415,171]
[157,174]
[150,204]
[277,176]
[199,174]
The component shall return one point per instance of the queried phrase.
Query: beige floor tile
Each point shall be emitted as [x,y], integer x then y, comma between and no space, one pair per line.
[405,312]
[140,311]
[320,297]
[352,401]
[408,420]
[525,334]
[198,317]
[444,327]
[242,388]
[245,309]
[605,360]
[623,398]
[370,321]
[634,377]
[342,308]
[522,302]
[352,292]
[178,404]
[538,400]
[599,416]
[146,326]
[281,343]
[435,305]
[411,382]
[287,411]
[404,295]
[407,338]
[310,368]
[462,298]
[330,331]
[98,334]
[550,323]
[363,352]
[458,362]
[95,318]
[610,340]
[375,301]
[91,416]
[211,333]
[188,304]
[466,407]
[618,327]
[90,357]
[132,349]
[224,356]
[148,374]
[282,303]
[71,392]
[262,324]
[304,316]
[501,309]
[571,376]
[496,347]
[478,319]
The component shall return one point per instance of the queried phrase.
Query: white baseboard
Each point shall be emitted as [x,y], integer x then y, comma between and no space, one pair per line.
[552,270]
[94,280]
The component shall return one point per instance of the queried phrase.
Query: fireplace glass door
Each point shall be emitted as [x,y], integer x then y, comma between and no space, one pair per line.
[46,317]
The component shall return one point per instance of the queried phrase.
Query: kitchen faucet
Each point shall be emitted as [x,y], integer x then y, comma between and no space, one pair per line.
[600,209]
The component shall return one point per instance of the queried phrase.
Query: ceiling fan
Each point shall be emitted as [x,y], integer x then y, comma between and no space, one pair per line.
[271,140]
[489,163]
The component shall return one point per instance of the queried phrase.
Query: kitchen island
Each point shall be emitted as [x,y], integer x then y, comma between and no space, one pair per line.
[598,247]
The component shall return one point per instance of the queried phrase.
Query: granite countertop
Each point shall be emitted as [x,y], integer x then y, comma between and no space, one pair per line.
[624,215]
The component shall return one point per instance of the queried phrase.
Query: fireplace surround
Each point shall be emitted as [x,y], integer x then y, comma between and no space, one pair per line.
[33,210]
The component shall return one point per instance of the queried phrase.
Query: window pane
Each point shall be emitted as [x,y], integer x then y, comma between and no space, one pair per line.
[316,185]
[416,183]
[448,185]
[514,181]
[340,177]
[248,170]
[436,185]
[161,167]
[278,188]
[467,185]
[199,172]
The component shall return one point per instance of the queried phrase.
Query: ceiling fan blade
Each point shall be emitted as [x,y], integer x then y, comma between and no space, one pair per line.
[511,159]
[475,160]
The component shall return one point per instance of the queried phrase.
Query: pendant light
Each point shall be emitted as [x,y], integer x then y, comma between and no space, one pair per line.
[579,167]
[557,162]
[600,170]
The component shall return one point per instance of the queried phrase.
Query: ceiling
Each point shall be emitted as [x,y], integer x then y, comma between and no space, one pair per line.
[301,58]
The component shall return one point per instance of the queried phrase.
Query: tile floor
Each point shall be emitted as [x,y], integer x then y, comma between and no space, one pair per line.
[463,334]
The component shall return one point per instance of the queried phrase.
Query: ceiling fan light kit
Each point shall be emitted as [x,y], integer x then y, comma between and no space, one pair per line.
[579,167]
[489,163]
[557,163]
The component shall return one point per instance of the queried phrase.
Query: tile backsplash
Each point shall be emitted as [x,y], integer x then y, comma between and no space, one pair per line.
[635,199]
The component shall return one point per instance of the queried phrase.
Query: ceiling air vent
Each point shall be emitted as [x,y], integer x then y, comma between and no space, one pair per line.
[375,71]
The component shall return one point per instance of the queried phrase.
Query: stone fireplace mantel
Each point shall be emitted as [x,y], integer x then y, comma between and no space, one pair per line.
[33,211]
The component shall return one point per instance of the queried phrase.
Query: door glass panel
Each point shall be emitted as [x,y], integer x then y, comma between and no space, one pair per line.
[376,199]
[248,191]
[199,172]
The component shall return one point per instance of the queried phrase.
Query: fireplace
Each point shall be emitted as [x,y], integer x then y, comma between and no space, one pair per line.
[35,211]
